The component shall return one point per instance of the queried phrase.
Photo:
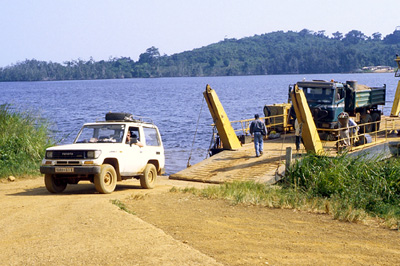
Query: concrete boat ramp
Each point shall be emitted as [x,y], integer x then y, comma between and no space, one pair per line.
[242,164]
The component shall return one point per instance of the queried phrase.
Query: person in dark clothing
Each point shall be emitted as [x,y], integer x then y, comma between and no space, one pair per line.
[258,129]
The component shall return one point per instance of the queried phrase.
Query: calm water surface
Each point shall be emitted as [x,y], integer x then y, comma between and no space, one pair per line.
[174,104]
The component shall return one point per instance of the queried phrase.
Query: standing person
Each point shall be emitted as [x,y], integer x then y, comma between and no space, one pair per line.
[354,128]
[349,132]
[344,134]
[258,129]
[298,127]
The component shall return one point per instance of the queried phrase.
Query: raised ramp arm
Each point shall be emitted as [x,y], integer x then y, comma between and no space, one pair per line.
[225,130]
[396,103]
[310,136]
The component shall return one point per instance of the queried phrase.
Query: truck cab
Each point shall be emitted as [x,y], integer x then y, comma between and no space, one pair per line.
[325,99]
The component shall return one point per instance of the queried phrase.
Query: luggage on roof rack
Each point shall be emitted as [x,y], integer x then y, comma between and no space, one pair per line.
[119,117]
[127,117]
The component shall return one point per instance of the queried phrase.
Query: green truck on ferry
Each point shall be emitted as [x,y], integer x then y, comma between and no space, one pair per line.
[327,99]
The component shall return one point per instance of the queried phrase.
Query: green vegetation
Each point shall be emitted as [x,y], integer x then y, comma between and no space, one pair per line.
[122,206]
[303,52]
[371,185]
[23,141]
[350,189]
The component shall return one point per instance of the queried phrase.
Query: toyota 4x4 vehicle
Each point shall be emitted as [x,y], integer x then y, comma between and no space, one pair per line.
[105,152]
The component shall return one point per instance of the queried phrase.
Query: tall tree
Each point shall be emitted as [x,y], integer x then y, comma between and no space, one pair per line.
[354,37]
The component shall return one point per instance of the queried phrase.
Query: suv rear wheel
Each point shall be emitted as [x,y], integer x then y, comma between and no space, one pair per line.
[149,177]
[106,181]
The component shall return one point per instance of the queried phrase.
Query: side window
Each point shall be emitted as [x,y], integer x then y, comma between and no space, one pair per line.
[151,136]
[133,132]
[340,94]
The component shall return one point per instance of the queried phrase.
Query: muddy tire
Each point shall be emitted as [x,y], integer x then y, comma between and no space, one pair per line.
[53,184]
[366,119]
[149,177]
[106,181]
[376,118]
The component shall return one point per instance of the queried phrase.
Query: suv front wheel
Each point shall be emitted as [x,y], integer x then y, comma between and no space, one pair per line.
[53,184]
[149,177]
[106,181]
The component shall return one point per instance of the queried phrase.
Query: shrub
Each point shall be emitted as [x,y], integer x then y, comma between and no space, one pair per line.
[372,185]
[23,141]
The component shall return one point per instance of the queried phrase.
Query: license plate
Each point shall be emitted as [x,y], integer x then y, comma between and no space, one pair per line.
[64,169]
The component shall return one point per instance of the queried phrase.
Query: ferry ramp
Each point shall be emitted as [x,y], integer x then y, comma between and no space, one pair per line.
[241,164]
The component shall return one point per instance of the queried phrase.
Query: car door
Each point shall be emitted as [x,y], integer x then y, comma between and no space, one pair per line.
[153,144]
[133,159]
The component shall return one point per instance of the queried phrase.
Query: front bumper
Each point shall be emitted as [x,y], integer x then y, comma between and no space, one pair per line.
[69,170]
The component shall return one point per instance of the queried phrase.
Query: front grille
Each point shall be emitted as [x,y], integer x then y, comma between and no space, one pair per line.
[320,114]
[67,163]
[69,155]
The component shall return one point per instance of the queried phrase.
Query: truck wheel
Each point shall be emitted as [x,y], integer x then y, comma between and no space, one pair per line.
[106,181]
[53,184]
[149,177]
[366,119]
[376,118]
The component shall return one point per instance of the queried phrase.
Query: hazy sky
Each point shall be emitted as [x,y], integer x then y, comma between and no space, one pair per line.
[64,30]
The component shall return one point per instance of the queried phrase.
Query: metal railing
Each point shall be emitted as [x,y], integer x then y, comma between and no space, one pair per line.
[384,129]
[274,121]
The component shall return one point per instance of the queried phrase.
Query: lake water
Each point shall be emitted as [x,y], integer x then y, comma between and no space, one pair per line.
[174,104]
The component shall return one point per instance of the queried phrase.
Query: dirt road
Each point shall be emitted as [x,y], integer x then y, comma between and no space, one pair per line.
[252,235]
[81,227]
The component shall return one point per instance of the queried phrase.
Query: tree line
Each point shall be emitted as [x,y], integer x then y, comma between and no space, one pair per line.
[304,52]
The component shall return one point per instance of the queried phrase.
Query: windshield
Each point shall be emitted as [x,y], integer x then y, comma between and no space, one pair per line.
[101,133]
[319,94]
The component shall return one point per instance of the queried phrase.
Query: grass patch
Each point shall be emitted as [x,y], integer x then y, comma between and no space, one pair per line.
[23,141]
[122,206]
[349,189]
[353,183]
[251,193]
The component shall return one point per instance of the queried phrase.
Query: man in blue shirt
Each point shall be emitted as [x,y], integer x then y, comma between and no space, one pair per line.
[258,129]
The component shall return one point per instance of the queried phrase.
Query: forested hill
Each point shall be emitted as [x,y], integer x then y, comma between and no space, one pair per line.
[303,52]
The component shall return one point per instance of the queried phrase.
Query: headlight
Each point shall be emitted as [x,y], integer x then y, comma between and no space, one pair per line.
[93,154]
[49,154]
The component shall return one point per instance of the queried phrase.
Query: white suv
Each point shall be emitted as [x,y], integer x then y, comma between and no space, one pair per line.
[105,152]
